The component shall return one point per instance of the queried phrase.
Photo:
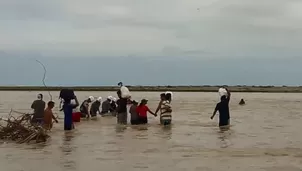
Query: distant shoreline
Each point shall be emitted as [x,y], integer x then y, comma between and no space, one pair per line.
[260,89]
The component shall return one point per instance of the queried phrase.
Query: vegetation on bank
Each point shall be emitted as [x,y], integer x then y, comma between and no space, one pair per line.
[269,89]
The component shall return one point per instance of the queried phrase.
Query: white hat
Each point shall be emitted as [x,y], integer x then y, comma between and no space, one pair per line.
[169,92]
[100,99]
[109,97]
[91,98]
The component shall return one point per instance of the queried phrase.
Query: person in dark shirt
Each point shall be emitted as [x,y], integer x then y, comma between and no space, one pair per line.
[95,107]
[223,108]
[134,115]
[121,109]
[84,108]
[38,106]
[113,105]
[106,106]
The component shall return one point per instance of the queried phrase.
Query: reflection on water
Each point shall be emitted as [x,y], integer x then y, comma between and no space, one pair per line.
[264,136]
[67,150]
[120,128]
[224,135]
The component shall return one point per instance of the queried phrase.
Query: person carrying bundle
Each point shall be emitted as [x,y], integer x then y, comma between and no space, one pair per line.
[121,109]
[223,108]
[68,95]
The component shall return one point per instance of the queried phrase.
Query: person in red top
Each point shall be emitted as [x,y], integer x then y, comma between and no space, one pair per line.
[142,111]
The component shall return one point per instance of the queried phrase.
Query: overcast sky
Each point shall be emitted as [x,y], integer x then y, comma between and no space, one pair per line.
[171,41]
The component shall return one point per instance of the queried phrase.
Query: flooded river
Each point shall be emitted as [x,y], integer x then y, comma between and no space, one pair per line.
[265,135]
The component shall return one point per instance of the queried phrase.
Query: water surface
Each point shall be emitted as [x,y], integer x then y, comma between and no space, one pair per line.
[265,135]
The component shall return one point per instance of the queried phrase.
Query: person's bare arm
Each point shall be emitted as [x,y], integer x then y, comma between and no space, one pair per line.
[99,109]
[88,109]
[214,113]
[61,105]
[54,118]
[152,112]
[33,105]
[158,107]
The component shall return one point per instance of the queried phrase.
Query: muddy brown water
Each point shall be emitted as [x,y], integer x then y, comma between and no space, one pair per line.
[265,135]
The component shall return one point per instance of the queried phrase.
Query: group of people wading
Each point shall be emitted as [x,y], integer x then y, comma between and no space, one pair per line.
[89,108]
[139,112]
[118,108]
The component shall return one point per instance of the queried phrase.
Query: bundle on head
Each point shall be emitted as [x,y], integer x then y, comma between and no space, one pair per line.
[66,94]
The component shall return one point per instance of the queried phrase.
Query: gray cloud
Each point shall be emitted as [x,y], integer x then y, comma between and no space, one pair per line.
[212,28]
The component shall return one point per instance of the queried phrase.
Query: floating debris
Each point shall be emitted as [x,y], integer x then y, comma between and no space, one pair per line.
[21,130]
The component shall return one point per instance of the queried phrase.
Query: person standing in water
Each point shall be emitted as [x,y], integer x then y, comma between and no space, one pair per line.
[165,109]
[223,108]
[48,116]
[142,111]
[134,115]
[38,106]
[67,108]
[121,109]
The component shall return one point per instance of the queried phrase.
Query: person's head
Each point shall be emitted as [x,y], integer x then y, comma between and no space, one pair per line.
[120,84]
[40,96]
[109,98]
[163,96]
[51,104]
[169,96]
[223,98]
[99,99]
[134,102]
[242,102]
[143,102]
[90,99]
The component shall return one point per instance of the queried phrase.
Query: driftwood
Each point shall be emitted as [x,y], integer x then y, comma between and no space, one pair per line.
[21,130]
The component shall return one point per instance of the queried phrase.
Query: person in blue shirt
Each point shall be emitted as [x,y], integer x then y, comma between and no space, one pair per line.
[67,108]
